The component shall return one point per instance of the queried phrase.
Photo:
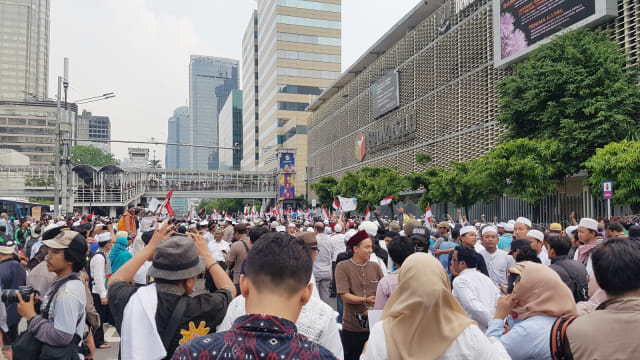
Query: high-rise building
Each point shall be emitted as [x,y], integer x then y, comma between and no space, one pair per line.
[298,57]
[138,158]
[211,79]
[250,115]
[230,132]
[24,49]
[178,157]
[93,130]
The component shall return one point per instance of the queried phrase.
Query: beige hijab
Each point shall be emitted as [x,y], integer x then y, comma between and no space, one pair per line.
[540,291]
[422,318]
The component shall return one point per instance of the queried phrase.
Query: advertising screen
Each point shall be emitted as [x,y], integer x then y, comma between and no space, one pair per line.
[520,26]
[287,186]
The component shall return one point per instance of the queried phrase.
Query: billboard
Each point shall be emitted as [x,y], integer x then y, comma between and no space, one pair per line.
[287,186]
[287,163]
[386,94]
[520,26]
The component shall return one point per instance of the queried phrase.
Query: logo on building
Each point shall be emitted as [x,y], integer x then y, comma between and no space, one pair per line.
[360,146]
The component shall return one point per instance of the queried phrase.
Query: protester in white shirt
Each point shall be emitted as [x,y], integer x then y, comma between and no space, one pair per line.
[422,320]
[498,261]
[475,291]
[218,248]
[536,238]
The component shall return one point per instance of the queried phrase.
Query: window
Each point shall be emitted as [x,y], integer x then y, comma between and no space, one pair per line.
[310,22]
[308,73]
[298,89]
[309,5]
[309,39]
[292,106]
[308,56]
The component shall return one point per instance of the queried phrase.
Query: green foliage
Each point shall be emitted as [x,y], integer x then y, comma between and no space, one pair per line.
[577,90]
[324,189]
[229,205]
[45,201]
[155,164]
[423,159]
[620,163]
[35,180]
[527,169]
[91,155]
[464,184]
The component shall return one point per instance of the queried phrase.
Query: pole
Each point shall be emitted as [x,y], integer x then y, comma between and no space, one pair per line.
[609,209]
[56,157]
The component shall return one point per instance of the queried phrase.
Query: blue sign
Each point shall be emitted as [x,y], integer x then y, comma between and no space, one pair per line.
[607,190]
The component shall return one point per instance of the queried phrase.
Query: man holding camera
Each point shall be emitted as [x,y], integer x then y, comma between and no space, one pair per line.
[12,276]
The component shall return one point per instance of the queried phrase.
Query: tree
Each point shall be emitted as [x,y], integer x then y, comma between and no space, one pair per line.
[229,205]
[370,185]
[577,90]
[464,184]
[423,159]
[155,164]
[527,169]
[91,155]
[325,190]
[618,162]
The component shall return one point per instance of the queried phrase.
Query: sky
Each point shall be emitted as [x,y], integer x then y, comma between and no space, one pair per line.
[139,49]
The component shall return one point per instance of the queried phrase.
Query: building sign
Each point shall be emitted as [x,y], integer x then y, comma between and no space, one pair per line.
[287,186]
[360,146]
[395,130]
[386,94]
[520,26]
[287,163]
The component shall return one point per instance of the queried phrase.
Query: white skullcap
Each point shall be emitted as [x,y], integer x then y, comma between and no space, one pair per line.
[192,226]
[508,228]
[589,223]
[536,234]
[105,236]
[524,220]
[487,229]
[280,228]
[349,234]
[511,222]
[291,225]
[370,227]
[570,230]
[478,224]
[501,225]
[468,228]
[337,228]
[310,229]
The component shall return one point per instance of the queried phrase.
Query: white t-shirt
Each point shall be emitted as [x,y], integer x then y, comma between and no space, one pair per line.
[217,248]
[67,307]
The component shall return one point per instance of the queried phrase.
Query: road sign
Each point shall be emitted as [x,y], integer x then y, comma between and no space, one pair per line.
[607,190]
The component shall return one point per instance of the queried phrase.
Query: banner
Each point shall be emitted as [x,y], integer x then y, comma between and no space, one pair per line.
[348,204]
[287,186]
[287,163]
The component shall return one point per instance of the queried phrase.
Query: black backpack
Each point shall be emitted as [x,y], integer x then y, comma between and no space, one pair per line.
[88,267]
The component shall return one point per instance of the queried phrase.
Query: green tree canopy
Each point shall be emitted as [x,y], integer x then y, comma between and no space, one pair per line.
[91,155]
[527,169]
[577,90]
[325,190]
[618,162]
[229,205]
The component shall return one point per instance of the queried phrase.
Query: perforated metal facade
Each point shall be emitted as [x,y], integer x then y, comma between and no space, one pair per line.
[447,80]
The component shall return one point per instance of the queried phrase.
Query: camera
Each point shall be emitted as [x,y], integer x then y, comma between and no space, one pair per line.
[10,296]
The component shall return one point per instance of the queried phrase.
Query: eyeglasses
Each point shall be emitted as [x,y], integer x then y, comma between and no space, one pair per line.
[455,260]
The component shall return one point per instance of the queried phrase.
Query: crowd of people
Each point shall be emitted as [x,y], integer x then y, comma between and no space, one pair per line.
[404,288]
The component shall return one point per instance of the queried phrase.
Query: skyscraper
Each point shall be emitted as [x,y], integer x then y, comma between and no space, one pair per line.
[230,122]
[299,55]
[211,79]
[178,157]
[250,115]
[94,130]
[24,49]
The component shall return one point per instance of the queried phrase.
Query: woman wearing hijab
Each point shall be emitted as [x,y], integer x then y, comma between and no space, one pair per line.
[119,253]
[538,299]
[422,320]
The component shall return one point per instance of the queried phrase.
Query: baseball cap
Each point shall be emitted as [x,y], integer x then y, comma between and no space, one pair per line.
[420,233]
[68,240]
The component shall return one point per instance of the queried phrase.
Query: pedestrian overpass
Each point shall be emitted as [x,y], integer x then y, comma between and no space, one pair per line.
[114,186]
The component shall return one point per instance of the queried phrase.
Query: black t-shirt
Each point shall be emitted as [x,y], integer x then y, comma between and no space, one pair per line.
[202,311]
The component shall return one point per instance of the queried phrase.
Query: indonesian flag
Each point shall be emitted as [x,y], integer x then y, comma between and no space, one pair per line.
[387,200]
[367,215]
[246,210]
[254,212]
[166,203]
[188,215]
[325,215]
[336,204]
[428,214]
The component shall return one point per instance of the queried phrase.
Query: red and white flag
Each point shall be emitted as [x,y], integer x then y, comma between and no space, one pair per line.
[336,204]
[428,215]
[367,215]
[325,215]
[387,200]
[166,203]
[254,212]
